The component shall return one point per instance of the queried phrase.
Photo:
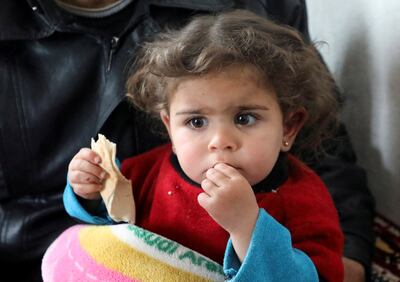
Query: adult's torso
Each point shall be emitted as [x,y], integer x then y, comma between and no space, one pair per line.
[62,81]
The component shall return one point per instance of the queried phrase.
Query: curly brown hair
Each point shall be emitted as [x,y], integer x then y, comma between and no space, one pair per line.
[214,43]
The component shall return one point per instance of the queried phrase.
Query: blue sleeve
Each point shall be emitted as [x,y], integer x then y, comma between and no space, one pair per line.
[270,256]
[76,210]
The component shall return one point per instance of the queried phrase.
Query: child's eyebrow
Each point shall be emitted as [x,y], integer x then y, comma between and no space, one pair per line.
[253,107]
[190,112]
[239,108]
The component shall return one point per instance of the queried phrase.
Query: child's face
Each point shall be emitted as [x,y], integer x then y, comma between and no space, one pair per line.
[230,118]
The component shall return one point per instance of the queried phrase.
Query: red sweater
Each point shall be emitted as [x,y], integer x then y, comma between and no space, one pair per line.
[167,204]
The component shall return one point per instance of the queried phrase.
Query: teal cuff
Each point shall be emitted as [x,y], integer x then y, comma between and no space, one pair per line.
[270,256]
[75,209]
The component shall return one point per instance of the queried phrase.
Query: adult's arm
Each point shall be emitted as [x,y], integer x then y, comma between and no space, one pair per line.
[347,183]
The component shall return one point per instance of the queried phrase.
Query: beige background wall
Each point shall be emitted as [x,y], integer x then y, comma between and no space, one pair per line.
[363,52]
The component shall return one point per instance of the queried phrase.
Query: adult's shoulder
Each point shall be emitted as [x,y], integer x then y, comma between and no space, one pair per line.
[287,12]
[174,13]
[23,19]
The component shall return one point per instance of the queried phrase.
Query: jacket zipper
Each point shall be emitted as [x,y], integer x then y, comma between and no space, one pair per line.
[113,47]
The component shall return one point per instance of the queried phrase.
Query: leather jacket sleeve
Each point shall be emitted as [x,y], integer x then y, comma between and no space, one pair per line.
[347,183]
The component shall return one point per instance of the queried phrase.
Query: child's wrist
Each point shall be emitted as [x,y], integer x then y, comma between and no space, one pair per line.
[245,229]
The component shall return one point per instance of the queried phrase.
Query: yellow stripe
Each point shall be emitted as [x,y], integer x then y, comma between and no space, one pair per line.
[106,249]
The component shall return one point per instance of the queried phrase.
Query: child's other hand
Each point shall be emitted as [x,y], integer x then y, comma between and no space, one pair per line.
[85,174]
[229,199]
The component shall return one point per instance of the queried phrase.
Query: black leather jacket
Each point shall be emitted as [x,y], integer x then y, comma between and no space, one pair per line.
[62,81]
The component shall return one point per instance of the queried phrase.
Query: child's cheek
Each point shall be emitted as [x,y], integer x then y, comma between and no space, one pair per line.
[192,161]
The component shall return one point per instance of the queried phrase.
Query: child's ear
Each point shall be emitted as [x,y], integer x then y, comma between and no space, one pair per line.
[165,120]
[291,127]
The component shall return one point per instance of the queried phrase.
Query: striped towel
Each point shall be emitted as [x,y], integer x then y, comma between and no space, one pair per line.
[123,253]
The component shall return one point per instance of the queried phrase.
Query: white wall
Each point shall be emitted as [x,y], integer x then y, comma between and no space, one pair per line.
[363,52]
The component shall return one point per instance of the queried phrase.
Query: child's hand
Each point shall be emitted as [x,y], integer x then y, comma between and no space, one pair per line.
[229,199]
[85,175]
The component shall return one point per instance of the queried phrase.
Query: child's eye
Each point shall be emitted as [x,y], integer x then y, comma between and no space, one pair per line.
[197,122]
[245,119]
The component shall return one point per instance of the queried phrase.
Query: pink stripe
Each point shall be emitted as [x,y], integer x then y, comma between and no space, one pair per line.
[66,261]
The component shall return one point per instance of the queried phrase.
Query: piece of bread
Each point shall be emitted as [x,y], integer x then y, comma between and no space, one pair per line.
[117,193]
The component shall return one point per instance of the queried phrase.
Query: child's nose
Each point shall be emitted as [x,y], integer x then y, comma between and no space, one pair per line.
[223,139]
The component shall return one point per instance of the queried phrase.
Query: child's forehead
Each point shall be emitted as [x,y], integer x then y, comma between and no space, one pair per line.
[234,74]
[223,91]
